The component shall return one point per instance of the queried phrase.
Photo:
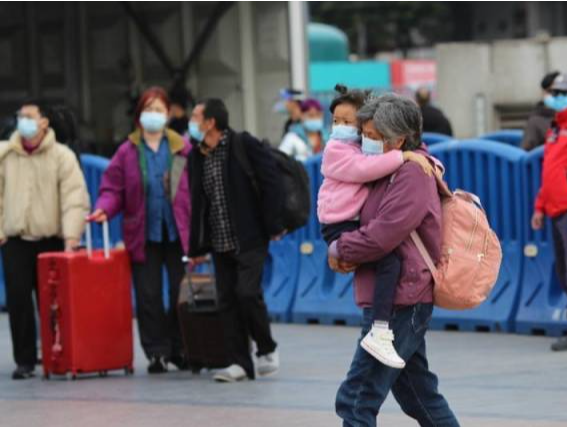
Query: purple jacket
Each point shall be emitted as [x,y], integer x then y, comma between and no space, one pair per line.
[392,211]
[122,190]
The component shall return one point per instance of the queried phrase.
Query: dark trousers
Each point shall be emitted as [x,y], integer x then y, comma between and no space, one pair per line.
[241,302]
[559,228]
[159,330]
[388,271]
[415,387]
[20,272]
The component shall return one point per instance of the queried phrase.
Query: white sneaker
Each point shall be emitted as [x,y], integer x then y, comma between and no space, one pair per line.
[268,364]
[232,374]
[379,342]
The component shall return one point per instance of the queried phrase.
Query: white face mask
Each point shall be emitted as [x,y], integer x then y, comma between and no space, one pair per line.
[372,147]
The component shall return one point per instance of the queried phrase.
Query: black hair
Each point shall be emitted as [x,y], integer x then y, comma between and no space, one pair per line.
[181,96]
[215,108]
[42,105]
[355,97]
[548,80]
[64,123]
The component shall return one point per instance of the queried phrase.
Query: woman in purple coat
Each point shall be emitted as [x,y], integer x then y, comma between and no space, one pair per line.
[147,182]
[397,205]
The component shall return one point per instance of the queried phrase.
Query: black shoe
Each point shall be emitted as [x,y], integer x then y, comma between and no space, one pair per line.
[158,365]
[560,344]
[23,373]
[180,362]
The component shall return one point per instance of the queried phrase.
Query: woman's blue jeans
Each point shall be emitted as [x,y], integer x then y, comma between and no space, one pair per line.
[368,381]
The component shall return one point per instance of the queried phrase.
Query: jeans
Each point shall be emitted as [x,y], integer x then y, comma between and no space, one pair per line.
[368,381]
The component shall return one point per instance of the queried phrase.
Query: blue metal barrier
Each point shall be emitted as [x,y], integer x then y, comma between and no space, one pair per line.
[432,138]
[542,308]
[280,277]
[493,172]
[506,136]
[322,296]
[93,168]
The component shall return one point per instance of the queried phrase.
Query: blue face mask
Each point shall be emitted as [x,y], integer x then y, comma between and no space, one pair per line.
[153,121]
[345,133]
[196,133]
[371,147]
[557,103]
[313,125]
[27,127]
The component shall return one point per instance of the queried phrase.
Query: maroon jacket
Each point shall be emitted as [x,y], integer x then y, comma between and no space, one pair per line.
[393,210]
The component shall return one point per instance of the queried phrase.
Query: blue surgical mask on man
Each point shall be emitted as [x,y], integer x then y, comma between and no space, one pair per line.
[196,133]
[371,147]
[345,133]
[313,125]
[27,127]
[152,121]
[557,102]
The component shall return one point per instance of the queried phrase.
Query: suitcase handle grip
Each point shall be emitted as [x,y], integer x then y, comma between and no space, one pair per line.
[105,239]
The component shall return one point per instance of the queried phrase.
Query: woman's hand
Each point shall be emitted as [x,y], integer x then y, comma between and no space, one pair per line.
[538,220]
[71,245]
[98,216]
[342,267]
[194,262]
[410,156]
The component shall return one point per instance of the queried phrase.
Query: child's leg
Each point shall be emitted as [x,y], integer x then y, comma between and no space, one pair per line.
[379,342]
[388,271]
[332,232]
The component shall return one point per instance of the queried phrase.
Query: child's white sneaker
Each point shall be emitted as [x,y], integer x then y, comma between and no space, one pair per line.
[379,342]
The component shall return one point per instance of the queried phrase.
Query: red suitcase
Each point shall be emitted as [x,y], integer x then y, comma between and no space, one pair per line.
[86,311]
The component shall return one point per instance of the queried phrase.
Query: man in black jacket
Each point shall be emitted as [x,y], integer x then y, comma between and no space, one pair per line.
[433,118]
[234,216]
[540,118]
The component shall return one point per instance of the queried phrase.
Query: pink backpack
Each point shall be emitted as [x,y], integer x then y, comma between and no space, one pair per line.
[470,255]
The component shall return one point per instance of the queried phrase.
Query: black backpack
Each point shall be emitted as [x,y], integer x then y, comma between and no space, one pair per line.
[295,183]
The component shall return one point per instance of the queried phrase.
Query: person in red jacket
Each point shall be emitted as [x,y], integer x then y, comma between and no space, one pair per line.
[552,198]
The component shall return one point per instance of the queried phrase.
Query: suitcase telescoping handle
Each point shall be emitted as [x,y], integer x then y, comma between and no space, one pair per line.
[105,239]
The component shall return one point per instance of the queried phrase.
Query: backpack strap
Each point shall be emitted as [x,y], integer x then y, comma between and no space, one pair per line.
[424,253]
[242,157]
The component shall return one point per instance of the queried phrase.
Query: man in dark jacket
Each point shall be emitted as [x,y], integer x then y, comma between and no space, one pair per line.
[433,118]
[235,214]
[541,117]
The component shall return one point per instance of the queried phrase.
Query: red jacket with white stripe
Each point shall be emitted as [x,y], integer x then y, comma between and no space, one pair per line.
[552,197]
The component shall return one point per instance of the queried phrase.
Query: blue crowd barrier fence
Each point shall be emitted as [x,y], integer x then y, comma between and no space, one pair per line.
[506,136]
[432,138]
[493,172]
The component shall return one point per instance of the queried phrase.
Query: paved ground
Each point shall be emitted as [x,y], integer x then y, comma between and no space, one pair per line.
[490,380]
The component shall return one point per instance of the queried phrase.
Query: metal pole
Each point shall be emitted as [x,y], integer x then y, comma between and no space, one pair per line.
[299,48]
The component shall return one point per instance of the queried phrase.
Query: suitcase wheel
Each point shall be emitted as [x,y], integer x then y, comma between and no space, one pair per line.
[46,376]
[103,374]
[70,376]
[128,371]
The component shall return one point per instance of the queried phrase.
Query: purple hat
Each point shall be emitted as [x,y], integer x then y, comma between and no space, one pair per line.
[309,104]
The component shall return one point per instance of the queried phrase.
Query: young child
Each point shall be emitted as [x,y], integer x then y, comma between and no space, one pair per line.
[348,166]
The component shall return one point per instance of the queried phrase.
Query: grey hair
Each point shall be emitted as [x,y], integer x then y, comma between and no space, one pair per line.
[395,117]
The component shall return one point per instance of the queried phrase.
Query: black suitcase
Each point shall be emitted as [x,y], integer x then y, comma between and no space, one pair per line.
[201,326]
